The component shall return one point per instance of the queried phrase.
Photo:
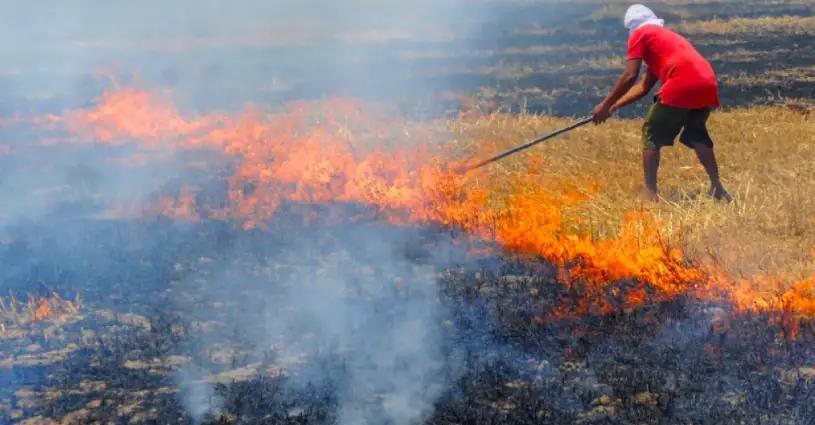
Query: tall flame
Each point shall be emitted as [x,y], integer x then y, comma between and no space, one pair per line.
[331,151]
[128,114]
[43,310]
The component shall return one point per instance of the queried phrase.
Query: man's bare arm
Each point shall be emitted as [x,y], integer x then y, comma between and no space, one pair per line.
[624,83]
[647,82]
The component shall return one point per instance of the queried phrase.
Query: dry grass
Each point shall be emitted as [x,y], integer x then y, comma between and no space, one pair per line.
[772,77]
[766,155]
[516,70]
[522,51]
[606,63]
[16,313]
[742,55]
[788,25]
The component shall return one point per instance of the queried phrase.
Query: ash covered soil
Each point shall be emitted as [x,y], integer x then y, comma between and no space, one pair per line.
[321,319]
[363,323]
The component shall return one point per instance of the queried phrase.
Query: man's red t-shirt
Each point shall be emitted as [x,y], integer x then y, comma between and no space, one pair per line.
[688,80]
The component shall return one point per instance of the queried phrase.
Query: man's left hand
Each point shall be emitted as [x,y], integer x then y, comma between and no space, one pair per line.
[600,113]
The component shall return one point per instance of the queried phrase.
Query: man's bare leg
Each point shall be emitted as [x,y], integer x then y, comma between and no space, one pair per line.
[708,160]
[650,166]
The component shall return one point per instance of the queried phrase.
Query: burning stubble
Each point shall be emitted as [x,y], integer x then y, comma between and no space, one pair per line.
[365,328]
[339,151]
[313,277]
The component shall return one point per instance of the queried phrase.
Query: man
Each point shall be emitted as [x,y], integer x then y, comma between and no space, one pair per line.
[689,92]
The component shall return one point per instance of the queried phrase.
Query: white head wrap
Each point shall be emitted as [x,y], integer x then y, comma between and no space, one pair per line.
[639,16]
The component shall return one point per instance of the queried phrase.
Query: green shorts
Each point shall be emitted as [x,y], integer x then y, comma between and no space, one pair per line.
[664,122]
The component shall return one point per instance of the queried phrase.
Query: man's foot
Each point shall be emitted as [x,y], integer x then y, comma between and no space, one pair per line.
[720,194]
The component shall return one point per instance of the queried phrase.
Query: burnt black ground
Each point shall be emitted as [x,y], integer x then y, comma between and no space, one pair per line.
[673,362]
[150,294]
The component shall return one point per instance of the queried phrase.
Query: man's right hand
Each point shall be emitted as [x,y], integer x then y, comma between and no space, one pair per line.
[600,113]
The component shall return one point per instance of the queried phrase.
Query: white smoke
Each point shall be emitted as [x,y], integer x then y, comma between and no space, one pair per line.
[389,342]
[365,322]
[380,333]
[197,395]
[213,52]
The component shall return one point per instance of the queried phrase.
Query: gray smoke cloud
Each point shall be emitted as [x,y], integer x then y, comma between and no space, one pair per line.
[216,53]
[359,319]
[390,342]
[370,327]
[197,395]
[207,55]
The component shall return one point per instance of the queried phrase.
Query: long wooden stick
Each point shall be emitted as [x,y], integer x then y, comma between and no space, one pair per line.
[529,144]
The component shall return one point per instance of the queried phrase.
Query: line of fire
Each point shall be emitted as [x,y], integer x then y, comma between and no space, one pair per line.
[383,213]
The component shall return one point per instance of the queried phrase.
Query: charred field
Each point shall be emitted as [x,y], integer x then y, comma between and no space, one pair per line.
[253,215]
[161,309]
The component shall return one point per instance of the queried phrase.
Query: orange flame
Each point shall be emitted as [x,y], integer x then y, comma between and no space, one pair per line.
[127,114]
[43,310]
[324,152]
[182,209]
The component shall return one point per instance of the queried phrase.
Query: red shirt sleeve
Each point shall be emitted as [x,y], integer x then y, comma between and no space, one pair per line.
[636,45]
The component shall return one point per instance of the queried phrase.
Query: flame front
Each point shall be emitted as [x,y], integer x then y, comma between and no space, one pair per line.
[321,152]
[43,310]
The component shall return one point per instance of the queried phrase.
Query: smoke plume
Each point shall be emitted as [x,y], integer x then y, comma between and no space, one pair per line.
[363,318]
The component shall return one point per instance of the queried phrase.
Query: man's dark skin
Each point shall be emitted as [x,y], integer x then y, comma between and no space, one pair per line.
[627,91]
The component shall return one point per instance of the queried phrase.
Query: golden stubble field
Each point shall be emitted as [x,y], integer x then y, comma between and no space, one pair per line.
[202,301]
[766,160]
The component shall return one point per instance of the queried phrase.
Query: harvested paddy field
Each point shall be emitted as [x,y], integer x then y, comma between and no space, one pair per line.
[298,244]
